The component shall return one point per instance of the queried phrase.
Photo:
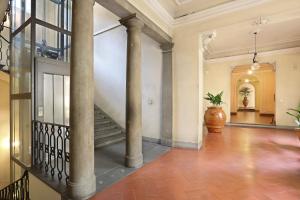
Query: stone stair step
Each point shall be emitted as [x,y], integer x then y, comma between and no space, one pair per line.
[107,133]
[106,130]
[103,128]
[109,140]
[103,122]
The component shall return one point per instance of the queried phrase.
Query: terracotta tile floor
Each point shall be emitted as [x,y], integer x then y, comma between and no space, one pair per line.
[251,118]
[240,164]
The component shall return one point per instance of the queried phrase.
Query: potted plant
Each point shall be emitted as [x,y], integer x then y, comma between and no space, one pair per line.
[245,91]
[296,114]
[214,117]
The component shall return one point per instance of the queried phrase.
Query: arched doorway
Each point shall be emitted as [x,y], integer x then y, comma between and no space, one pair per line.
[258,88]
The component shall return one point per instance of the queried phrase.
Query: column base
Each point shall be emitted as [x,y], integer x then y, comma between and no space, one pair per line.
[166,142]
[82,191]
[134,162]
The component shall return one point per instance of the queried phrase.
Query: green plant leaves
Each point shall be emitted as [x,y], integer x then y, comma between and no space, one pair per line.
[216,100]
[295,113]
[245,91]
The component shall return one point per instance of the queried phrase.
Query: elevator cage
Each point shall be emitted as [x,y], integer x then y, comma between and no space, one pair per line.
[39,28]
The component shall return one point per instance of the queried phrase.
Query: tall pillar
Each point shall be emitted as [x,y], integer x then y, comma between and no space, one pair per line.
[167,95]
[134,156]
[82,182]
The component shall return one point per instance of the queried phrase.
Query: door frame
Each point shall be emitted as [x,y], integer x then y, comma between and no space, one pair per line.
[46,65]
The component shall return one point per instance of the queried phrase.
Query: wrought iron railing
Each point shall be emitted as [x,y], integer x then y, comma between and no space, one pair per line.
[18,190]
[51,149]
[5,53]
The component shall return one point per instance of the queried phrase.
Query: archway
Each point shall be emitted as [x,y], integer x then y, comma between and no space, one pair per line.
[251,101]
[260,105]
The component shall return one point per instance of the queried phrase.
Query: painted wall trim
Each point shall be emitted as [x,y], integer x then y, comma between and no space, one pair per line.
[152,140]
[187,145]
[247,56]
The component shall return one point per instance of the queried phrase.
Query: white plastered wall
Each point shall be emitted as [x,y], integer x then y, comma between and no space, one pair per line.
[110,49]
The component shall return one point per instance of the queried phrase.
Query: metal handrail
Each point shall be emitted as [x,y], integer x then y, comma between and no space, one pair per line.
[18,190]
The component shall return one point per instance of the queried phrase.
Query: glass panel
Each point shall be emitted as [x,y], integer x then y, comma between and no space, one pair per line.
[21,62]
[48,98]
[21,12]
[67,99]
[52,44]
[55,12]
[58,99]
[21,113]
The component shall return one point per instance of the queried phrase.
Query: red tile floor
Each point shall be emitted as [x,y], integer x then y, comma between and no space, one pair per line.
[240,164]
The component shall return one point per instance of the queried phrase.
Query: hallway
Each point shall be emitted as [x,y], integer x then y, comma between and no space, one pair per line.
[245,117]
[240,164]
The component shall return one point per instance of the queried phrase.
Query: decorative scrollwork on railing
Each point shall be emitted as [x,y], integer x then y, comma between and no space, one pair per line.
[51,149]
[18,190]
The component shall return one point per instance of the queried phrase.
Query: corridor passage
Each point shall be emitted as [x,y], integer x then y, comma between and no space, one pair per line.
[240,164]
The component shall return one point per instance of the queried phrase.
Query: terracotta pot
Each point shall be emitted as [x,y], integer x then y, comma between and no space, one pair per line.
[245,102]
[215,119]
[297,131]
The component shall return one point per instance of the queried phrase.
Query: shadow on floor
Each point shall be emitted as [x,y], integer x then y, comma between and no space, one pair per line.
[109,162]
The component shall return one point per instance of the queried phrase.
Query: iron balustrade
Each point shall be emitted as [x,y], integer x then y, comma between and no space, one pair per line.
[18,190]
[51,149]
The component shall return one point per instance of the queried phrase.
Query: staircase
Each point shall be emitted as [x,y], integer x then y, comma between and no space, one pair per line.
[18,190]
[107,131]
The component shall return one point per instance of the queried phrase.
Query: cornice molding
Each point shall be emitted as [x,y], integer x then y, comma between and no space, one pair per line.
[279,44]
[201,15]
[217,11]
[161,11]
[180,3]
[249,56]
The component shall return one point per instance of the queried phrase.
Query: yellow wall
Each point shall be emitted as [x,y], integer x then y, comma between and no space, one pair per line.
[217,78]
[4,130]
[39,190]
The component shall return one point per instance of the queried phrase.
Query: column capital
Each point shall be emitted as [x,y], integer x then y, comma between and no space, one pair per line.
[167,47]
[132,21]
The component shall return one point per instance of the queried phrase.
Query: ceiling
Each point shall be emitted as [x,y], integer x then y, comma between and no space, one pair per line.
[277,21]
[239,39]
[180,8]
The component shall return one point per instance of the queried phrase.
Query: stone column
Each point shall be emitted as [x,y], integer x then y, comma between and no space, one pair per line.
[134,156]
[166,137]
[82,182]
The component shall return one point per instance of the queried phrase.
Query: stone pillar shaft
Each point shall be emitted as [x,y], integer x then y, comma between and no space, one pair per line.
[167,95]
[134,156]
[82,182]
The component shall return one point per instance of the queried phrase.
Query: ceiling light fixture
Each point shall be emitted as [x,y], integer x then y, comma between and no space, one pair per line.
[255,65]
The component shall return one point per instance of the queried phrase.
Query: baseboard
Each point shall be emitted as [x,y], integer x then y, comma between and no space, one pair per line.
[188,145]
[163,142]
[166,142]
[266,114]
[261,126]
[152,140]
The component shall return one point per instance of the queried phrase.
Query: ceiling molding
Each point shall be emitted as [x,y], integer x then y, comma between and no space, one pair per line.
[217,11]
[201,15]
[249,56]
[161,11]
[181,2]
[270,46]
